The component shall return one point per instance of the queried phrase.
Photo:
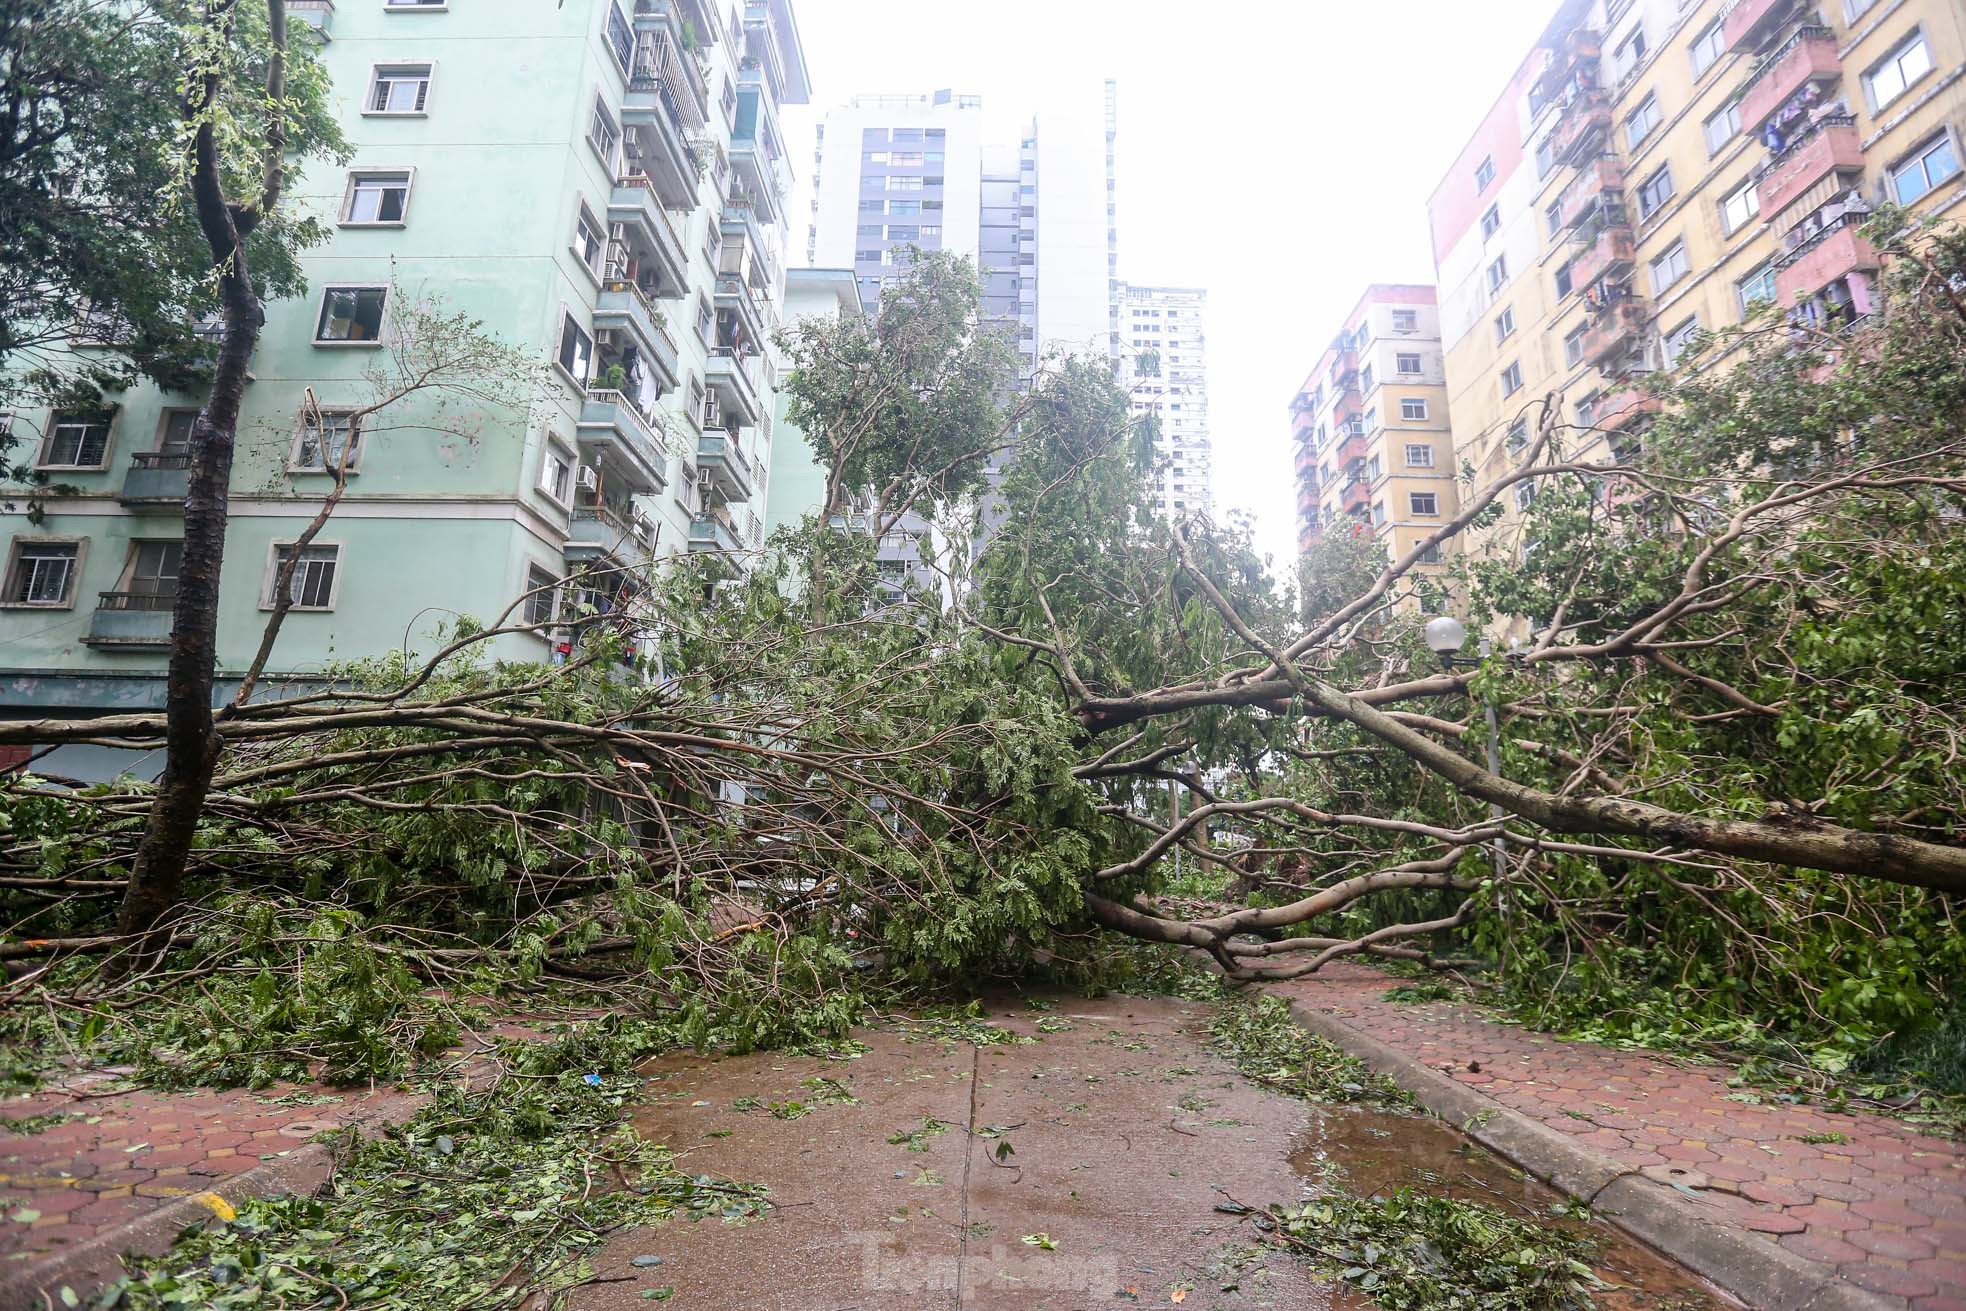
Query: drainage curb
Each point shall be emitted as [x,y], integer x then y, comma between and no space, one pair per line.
[95,1262]
[1758,1272]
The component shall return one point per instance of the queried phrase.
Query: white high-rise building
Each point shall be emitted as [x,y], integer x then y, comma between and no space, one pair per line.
[1168,323]
[1037,214]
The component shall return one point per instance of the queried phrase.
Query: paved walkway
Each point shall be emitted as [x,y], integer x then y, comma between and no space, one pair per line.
[1866,1194]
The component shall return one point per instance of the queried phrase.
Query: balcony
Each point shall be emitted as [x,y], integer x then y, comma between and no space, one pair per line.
[1836,250]
[610,422]
[1581,126]
[730,375]
[1610,254]
[1344,370]
[1808,56]
[317,14]
[660,258]
[131,620]
[1614,331]
[1600,183]
[622,306]
[1746,24]
[718,454]
[1829,144]
[156,480]
[601,530]
[1581,47]
[713,532]
[1354,447]
[661,111]
[1624,408]
[1356,494]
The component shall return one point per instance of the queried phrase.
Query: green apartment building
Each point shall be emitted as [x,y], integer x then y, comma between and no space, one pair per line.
[604,185]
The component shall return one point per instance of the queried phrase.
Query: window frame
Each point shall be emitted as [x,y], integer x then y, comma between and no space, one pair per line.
[533,591]
[1647,109]
[1749,190]
[42,451]
[1491,221]
[1765,276]
[1510,377]
[1403,320]
[1505,324]
[127,576]
[556,447]
[625,63]
[359,447]
[1412,463]
[1664,171]
[429,67]
[568,319]
[1687,330]
[610,154]
[583,213]
[1413,510]
[1667,258]
[364,343]
[1498,273]
[272,575]
[73,588]
[1918,154]
[1410,401]
[164,417]
[1711,32]
[1916,37]
[1399,364]
[355,178]
[1729,113]
[1484,174]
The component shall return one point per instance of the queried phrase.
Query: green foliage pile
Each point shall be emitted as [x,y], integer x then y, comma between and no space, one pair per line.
[1262,1040]
[1412,1252]
[482,1200]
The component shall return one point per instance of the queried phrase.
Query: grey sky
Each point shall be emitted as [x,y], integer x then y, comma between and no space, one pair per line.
[1277,154]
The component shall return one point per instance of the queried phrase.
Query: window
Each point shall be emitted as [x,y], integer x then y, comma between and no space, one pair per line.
[1680,339]
[873,136]
[1412,409]
[868,230]
[1372,425]
[1669,266]
[1525,492]
[399,89]
[1419,455]
[351,314]
[43,573]
[904,184]
[930,232]
[1707,47]
[1491,220]
[621,37]
[1929,165]
[901,232]
[1563,280]
[1573,344]
[77,439]
[322,439]
[1640,122]
[1545,157]
[556,474]
[152,569]
[174,432]
[873,206]
[1756,288]
[415,4]
[1498,273]
[576,354]
[1655,191]
[1505,324]
[603,133]
[1738,206]
[1626,56]
[1518,435]
[1407,363]
[313,584]
[1378,513]
[904,206]
[1484,174]
[377,198]
[1553,217]
[590,243]
[1512,379]
[1723,127]
[1855,9]
[1430,555]
[906,158]
[542,595]
[1403,320]
[706,318]
[1889,79]
[872,256]
[1424,504]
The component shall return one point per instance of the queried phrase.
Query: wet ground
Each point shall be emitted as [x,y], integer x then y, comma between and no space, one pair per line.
[1079,1166]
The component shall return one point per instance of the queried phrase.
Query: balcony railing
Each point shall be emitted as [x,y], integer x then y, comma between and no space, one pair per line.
[1745,24]
[149,601]
[1829,143]
[1807,56]
[130,619]
[1581,125]
[161,459]
[156,478]
[1615,330]
[1601,183]
[1611,250]
[1833,251]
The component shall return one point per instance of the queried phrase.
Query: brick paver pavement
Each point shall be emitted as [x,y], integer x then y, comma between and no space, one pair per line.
[1883,1204]
[116,1157]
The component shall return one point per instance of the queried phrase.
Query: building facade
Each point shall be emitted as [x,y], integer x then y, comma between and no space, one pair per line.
[1037,216]
[1655,168]
[602,184]
[1372,447]
[1170,323]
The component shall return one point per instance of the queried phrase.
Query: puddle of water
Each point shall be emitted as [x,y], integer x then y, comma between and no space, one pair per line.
[1370,1153]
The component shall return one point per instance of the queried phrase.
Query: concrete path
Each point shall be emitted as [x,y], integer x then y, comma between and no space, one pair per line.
[1123,1134]
[1864,1194]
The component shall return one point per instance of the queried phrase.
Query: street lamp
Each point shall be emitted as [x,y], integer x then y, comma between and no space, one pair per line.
[1446,635]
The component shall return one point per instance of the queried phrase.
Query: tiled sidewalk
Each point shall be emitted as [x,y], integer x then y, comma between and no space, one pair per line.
[114,1158]
[1870,1196]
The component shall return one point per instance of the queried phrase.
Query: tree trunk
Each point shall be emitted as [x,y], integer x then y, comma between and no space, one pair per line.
[190,744]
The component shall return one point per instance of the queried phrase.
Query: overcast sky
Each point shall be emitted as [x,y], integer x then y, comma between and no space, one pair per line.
[1277,153]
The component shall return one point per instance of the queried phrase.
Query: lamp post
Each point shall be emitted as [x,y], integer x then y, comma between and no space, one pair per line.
[1446,635]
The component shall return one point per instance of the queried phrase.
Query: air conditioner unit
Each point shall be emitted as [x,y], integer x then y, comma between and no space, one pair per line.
[605,336]
[644,529]
[706,479]
[590,481]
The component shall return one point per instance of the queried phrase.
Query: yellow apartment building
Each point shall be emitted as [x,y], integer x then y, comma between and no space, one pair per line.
[1370,438]
[1656,167]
